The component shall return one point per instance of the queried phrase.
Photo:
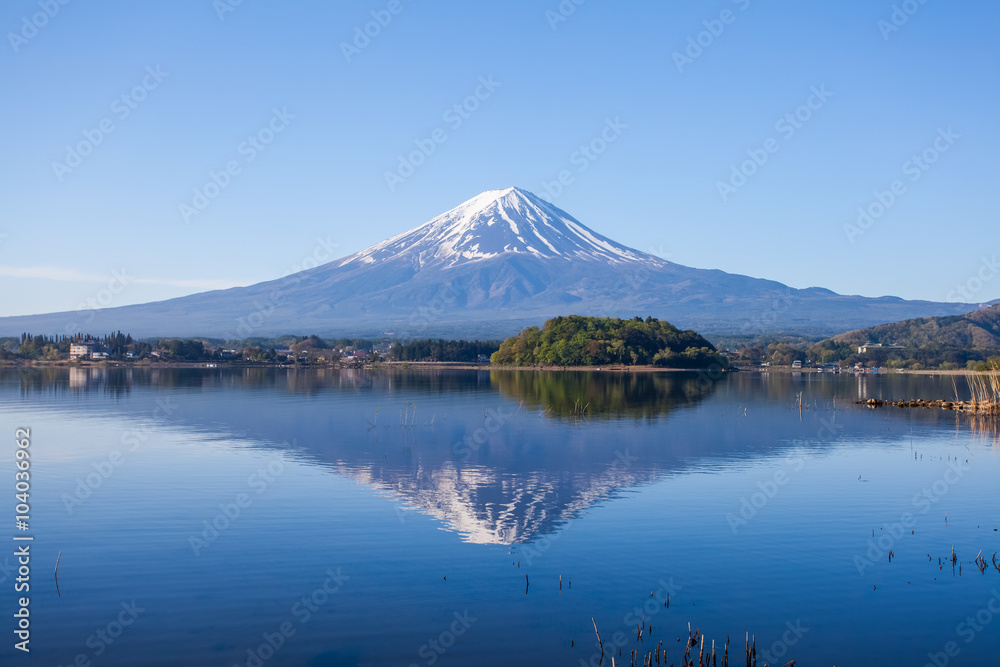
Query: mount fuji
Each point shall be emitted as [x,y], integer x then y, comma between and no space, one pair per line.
[500,261]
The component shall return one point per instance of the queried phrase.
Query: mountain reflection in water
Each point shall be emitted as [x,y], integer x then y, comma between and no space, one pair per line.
[496,456]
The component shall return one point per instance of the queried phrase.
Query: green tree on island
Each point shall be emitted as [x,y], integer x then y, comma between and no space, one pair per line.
[590,341]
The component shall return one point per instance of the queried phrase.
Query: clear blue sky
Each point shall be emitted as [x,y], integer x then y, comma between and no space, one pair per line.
[681,130]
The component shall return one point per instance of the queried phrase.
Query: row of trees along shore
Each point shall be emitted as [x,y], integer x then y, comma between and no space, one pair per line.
[562,341]
[443,350]
[846,355]
[119,346]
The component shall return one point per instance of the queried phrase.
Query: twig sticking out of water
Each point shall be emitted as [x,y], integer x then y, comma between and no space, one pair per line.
[599,642]
[374,424]
[58,558]
[981,562]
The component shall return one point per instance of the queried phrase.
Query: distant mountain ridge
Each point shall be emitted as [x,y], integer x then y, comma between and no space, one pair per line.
[976,330]
[497,263]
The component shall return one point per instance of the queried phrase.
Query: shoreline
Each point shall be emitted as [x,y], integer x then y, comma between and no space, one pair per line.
[457,365]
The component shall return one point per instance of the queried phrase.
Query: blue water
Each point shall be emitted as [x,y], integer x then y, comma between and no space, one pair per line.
[343,536]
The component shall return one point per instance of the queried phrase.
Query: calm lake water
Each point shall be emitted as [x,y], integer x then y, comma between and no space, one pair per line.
[278,517]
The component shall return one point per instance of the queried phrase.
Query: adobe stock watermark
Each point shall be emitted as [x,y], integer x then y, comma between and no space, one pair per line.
[104,469]
[707,377]
[965,293]
[363,35]
[436,647]
[766,320]
[649,608]
[659,251]
[914,168]
[923,501]
[562,13]
[446,297]
[102,638]
[6,569]
[495,420]
[697,43]
[301,612]
[30,25]
[616,303]
[246,151]
[786,126]
[967,630]
[258,481]
[246,325]
[121,108]
[584,156]
[223,7]
[537,549]
[454,117]
[773,654]
[768,489]
[103,298]
[464,449]
[900,14]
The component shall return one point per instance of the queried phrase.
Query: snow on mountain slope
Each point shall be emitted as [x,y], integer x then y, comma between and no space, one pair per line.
[502,260]
[498,223]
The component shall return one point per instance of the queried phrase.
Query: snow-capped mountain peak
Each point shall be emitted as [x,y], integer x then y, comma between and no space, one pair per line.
[498,223]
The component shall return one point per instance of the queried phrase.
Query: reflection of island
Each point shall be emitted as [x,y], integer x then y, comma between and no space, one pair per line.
[497,457]
[589,393]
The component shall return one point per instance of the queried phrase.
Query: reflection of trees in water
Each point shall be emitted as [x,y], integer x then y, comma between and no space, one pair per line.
[783,386]
[47,379]
[313,381]
[309,381]
[639,395]
[564,393]
[633,393]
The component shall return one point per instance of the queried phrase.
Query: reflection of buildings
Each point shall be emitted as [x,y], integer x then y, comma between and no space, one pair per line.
[90,378]
[78,378]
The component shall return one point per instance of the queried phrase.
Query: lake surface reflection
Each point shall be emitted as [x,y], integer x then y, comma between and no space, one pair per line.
[424,517]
